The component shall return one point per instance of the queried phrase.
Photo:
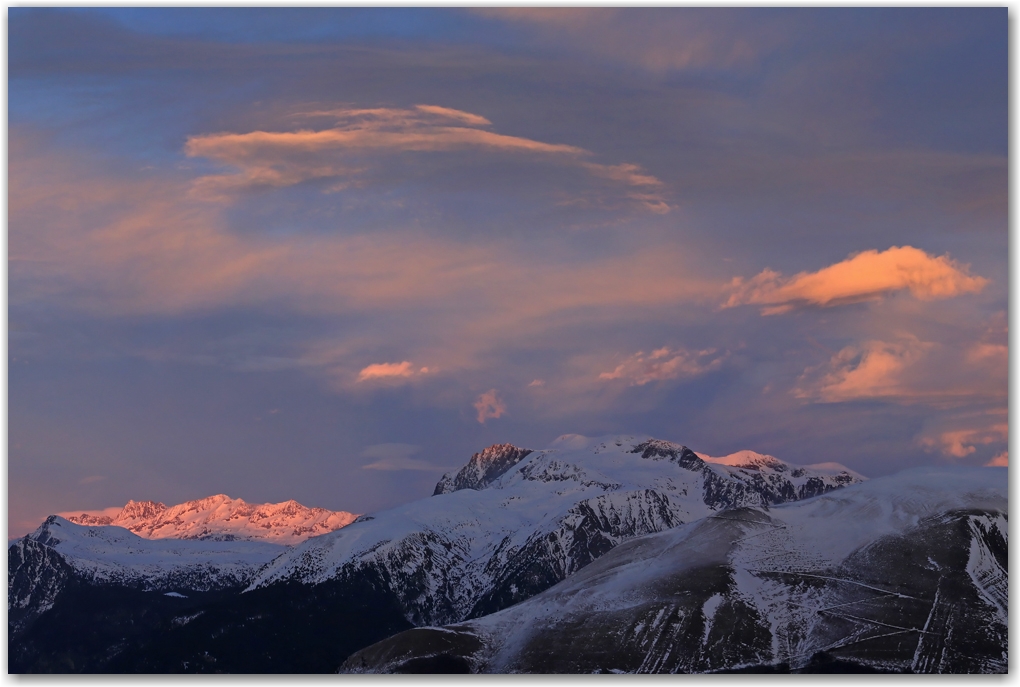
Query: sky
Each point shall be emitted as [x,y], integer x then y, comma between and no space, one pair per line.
[327,254]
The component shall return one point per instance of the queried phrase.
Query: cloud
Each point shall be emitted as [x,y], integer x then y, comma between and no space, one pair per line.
[870,370]
[96,241]
[397,457]
[362,137]
[489,406]
[665,364]
[1001,460]
[389,371]
[659,39]
[449,113]
[91,479]
[111,512]
[959,437]
[866,276]
[951,372]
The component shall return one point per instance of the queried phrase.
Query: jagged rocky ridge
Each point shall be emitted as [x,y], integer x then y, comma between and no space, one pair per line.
[900,574]
[513,522]
[482,469]
[222,518]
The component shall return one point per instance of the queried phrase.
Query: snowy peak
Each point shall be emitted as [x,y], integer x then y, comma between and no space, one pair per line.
[482,469]
[222,518]
[658,449]
[513,522]
[749,460]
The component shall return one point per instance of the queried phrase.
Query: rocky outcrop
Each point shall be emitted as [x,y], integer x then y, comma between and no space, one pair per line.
[482,469]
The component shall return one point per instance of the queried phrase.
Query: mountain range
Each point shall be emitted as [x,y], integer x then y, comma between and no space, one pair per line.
[485,562]
[902,574]
[221,518]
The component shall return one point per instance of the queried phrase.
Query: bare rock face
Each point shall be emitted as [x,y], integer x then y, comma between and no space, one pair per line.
[36,576]
[482,469]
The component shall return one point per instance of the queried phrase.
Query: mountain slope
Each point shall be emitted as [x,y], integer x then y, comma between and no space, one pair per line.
[42,564]
[222,518]
[508,525]
[904,573]
[514,522]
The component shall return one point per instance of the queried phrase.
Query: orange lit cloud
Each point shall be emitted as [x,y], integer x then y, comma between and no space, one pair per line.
[999,461]
[873,369]
[664,364]
[908,370]
[959,437]
[489,406]
[389,371]
[138,245]
[866,276]
[286,158]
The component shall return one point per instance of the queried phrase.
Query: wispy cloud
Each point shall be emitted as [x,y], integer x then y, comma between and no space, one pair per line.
[665,364]
[870,370]
[396,457]
[656,39]
[489,406]
[111,512]
[867,276]
[959,436]
[361,137]
[112,246]
[908,370]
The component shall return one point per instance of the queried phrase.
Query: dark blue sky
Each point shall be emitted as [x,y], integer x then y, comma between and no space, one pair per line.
[252,251]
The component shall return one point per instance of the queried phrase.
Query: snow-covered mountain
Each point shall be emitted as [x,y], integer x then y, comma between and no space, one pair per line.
[59,552]
[508,525]
[902,573]
[222,518]
[513,522]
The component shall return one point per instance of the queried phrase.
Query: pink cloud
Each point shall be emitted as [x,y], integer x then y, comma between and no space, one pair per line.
[665,364]
[999,461]
[388,371]
[866,276]
[908,370]
[489,406]
[449,113]
[873,369]
[361,136]
[959,437]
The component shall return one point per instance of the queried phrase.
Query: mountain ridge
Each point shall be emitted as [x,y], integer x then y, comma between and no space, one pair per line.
[514,521]
[906,573]
[221,518]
